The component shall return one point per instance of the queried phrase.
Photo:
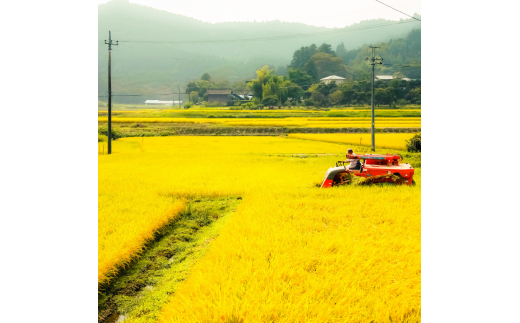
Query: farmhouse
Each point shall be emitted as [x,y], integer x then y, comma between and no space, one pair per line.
[329,79]
[218,95]
[389,78]
[157,102]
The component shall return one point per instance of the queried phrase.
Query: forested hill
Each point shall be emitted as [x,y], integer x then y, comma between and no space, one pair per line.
[399,55]
[150,65]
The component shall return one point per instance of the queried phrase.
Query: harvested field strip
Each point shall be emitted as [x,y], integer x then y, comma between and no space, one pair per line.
[140,292]
[168,130]
[384,140]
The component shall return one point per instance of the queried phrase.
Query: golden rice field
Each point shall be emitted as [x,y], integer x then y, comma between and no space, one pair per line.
[284,122]
[386,140]
[291,252]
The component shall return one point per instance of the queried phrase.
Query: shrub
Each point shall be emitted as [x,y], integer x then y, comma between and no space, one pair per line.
[402,102]
[116,133]
[248,105]
[188,105]
[101,104]
[270,100]
[308,102]
[213,104]
[102,138]
[414,144]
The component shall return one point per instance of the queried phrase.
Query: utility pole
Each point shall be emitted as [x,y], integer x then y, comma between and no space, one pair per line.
[110,91]
[173,102]
[373,61]
[179,93]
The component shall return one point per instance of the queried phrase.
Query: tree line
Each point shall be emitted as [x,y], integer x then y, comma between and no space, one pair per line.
[299,83]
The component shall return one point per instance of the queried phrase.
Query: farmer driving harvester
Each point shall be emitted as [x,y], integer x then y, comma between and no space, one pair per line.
[374,169]
[355,165]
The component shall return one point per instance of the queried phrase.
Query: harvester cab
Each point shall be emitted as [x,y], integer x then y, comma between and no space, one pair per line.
[374,168]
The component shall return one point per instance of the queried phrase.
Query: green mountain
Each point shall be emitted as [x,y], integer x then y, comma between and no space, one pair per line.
[159,50]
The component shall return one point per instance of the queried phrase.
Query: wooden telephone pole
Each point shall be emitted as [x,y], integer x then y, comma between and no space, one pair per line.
[179,93]
[373,61]
[109,43]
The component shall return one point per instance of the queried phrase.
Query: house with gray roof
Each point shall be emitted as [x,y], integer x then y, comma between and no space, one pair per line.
[335,78]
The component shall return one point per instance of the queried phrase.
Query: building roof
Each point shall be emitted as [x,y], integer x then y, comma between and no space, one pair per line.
[333,77]
[218,91]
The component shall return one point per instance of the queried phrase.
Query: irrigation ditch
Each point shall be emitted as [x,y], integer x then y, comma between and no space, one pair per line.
[139,292]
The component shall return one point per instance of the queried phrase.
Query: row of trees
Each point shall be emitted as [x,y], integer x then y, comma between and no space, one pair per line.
[298,88]
[351,93]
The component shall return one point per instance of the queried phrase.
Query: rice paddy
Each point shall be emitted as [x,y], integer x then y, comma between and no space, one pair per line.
[283,122]
[291,252]
[386,140]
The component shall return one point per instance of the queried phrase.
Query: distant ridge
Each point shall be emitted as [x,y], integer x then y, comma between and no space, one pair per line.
[156,67]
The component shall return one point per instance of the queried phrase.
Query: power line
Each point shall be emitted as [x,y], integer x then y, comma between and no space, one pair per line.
[263,38]
[396,65]
[398,10]
[347,14]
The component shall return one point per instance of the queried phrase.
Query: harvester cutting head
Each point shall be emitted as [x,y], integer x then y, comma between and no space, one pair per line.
[374,169]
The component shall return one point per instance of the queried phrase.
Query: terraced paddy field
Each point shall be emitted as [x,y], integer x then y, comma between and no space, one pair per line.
[235,229]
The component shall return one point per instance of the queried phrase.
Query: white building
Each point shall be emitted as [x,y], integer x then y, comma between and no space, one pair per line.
[389,78]
[157,102]
[337,79]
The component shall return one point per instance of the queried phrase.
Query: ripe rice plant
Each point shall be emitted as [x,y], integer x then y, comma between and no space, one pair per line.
[383,140]
[282,122]
[291,252]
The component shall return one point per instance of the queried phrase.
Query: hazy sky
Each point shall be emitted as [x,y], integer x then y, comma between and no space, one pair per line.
[330,13]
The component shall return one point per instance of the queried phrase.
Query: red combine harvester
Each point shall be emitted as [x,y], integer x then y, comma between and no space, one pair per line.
[379,168]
